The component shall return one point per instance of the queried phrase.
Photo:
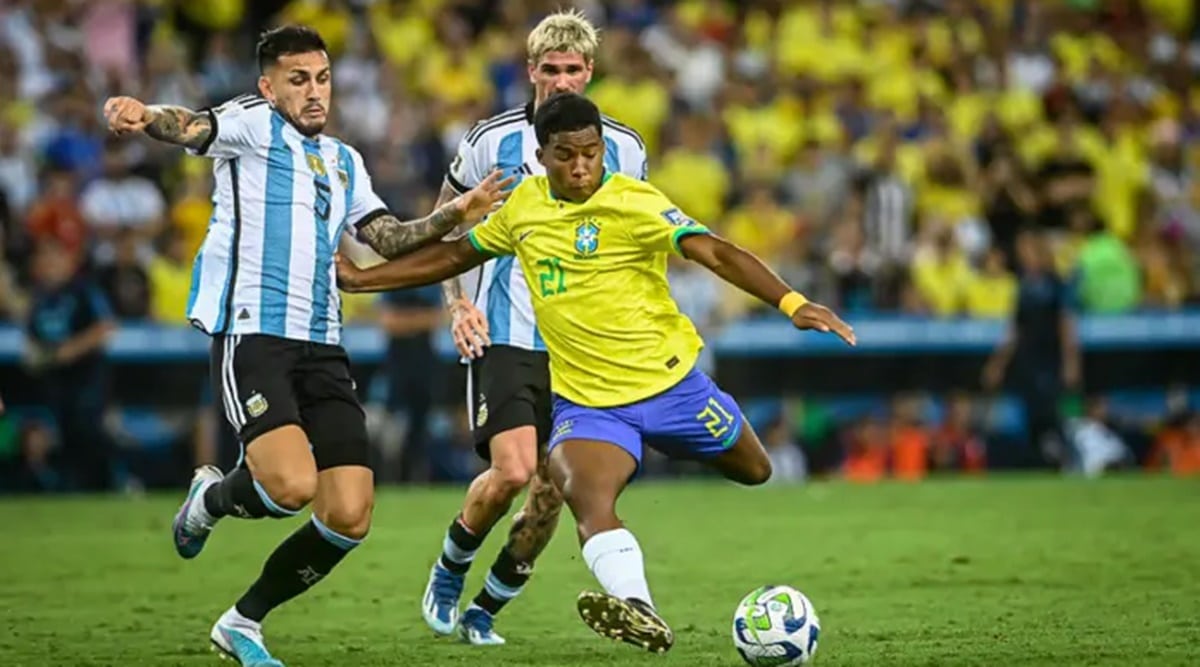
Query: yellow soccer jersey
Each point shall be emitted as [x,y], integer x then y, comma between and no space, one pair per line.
[597,271]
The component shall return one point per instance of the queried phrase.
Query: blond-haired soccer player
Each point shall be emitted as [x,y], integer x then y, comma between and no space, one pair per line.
[593,246]
[509,388]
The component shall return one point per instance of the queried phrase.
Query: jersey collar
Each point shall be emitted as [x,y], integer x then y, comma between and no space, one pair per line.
[603,179]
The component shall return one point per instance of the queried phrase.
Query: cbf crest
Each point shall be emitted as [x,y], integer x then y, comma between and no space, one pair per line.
[587,239]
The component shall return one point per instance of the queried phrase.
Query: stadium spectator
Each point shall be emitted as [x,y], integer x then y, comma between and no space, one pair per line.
[409,318]
[70,322]
[121,202]
[1040,353]
[957,444]
[170,278]
[1177,447]
[909,440]
[125,280]
[788,464]
[55,215]
[991,292]
[1108,277]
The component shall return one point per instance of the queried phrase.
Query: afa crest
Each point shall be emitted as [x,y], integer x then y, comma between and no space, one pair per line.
[316,164]
[587,238]
[344,178]
[256,405]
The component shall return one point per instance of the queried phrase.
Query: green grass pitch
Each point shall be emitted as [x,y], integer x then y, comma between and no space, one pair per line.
[1006,571]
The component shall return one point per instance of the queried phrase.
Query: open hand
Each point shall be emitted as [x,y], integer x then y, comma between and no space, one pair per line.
[816,317]
[484,198]
[125,114]
[469,328]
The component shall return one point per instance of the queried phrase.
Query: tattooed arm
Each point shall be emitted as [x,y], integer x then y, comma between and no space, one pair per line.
[171,124]
[391,237]
[177,125]
[468,325]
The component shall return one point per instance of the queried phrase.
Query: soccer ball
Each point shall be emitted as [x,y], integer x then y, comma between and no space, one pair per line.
[776,626]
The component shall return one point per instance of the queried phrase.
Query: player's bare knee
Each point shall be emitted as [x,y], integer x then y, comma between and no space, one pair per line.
[291,490]
[759,472]
[511,479]
[349,518]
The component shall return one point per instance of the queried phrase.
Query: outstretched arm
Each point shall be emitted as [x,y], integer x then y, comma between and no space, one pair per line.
[392,237]
[426,266]
[747,272]
[164,122]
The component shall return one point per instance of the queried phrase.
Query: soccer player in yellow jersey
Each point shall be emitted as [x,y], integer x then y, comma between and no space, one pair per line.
[593,248]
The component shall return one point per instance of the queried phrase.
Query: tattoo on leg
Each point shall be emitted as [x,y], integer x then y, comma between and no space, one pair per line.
[534,525]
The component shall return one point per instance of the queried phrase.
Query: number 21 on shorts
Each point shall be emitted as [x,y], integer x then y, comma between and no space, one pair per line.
[716,418]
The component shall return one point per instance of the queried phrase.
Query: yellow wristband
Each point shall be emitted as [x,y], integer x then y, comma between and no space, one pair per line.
[791,302]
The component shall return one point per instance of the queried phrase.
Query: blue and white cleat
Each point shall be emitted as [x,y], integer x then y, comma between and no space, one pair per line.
[243,644]
[476,628]
[440,604]
[192,523]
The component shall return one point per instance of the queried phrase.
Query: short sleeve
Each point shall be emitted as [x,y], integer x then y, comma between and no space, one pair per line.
[663,225]
[631,150]
[493,236]
[365,205]
[469,166]
[239,126]
[635,156]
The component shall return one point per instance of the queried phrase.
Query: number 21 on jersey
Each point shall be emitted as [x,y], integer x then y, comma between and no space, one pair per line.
[553,279]
[716,418]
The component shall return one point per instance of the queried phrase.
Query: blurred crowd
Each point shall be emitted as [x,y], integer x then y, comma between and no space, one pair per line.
[881,154]
[886,155]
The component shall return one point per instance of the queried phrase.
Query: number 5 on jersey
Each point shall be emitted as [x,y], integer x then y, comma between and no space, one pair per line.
[716,418]
[553,280]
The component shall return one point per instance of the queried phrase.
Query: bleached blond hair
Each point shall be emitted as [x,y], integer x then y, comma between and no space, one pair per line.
[565,30]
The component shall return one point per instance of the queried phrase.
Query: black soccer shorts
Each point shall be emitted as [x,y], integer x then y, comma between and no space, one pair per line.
[508,387]
[266,382]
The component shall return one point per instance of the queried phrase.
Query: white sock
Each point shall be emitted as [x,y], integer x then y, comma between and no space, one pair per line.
[231,618]
[615,558]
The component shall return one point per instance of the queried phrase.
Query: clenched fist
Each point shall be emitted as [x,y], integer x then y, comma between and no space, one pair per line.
[126,114]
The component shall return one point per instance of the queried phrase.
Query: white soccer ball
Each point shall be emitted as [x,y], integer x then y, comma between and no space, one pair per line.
[776,626]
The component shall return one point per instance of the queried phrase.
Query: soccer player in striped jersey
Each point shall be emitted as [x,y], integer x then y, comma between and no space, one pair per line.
[263,288]
[509,387]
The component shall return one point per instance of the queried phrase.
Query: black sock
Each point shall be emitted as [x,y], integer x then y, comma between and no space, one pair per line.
[237,495]
[298,564]
[505,582]
[459,547]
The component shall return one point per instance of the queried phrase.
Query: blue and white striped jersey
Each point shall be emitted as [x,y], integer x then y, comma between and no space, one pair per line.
[507,141]
[281,203]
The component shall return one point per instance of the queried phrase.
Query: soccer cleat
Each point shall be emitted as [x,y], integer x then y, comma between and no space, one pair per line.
[440,604]
[192,524]
[243,644]
[476,628]
[631,621]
